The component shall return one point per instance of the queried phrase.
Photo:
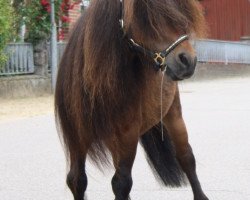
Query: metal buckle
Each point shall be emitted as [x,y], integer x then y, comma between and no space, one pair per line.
[159,59]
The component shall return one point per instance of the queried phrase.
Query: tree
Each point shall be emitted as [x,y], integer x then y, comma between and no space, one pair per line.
[6,30]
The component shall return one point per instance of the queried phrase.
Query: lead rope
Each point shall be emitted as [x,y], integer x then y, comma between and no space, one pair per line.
[162,79]
[122,14]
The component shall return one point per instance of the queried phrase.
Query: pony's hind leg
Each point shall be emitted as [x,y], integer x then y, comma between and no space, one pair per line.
[178,133]
[123,153]
[77,178]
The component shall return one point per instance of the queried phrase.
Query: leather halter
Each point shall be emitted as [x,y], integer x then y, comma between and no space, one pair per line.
[159,58]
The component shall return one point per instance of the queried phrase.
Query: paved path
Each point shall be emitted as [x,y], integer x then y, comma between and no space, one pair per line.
[217,114]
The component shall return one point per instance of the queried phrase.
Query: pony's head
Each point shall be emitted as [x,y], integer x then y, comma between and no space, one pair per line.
[155,25]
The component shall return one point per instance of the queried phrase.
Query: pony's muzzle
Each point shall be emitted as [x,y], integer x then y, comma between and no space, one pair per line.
[182,66]
[186,65]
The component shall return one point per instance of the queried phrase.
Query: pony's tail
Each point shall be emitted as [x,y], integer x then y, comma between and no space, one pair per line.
[161,157]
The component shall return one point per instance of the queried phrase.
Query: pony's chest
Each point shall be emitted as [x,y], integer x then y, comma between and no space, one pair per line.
[156,100]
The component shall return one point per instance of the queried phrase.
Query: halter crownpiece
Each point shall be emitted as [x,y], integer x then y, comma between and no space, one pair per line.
[158,57]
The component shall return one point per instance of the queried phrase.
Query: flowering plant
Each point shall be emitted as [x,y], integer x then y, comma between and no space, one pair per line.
[37,18]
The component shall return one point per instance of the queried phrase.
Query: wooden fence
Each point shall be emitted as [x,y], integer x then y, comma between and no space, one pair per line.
[217,51]
[20,59]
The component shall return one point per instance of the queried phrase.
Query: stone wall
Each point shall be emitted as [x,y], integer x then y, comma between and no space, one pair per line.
[41,58]
[24,86]
[210,71]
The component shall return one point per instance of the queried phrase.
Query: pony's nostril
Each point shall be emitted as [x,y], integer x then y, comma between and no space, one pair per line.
[184,59]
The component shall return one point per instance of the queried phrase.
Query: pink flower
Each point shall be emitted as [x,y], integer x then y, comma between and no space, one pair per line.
[48,8]
[65,19]
[44,3]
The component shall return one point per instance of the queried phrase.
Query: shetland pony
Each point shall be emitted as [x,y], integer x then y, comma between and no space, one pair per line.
[117,86]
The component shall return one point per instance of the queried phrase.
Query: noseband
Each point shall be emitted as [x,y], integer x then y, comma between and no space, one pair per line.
[159,58]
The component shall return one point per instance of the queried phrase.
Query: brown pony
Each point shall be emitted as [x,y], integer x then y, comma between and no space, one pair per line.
[117,82]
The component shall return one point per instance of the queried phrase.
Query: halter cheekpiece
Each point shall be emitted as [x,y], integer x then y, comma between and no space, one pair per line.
[158,57]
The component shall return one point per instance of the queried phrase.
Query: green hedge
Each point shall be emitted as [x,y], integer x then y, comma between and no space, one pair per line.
[6,22]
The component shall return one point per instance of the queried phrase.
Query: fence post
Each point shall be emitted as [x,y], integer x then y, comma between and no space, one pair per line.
[53,46]
[41,59]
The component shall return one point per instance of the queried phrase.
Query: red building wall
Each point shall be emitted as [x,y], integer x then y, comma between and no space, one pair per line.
[227,19]
[74,14]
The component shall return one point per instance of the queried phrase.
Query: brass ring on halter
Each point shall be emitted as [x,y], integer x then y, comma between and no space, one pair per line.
[159,59]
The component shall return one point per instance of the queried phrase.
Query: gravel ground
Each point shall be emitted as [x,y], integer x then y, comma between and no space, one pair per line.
[12,109]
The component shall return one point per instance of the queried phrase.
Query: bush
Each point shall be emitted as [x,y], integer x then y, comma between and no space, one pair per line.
[6,30]
[37,17]
[37,20]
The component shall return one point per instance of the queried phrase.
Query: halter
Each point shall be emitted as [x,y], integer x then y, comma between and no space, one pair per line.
[160,57]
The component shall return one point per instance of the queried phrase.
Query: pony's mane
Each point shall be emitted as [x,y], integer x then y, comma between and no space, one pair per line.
[151,16]
[107,74]
[102,48]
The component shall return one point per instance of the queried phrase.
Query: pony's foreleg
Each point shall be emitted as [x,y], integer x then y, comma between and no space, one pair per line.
[76,178]
[178,133]
[123,153]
